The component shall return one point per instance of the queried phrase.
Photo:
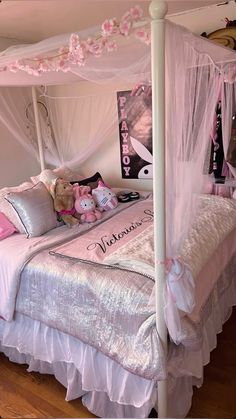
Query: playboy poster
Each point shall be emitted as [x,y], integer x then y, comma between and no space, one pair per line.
[135,133]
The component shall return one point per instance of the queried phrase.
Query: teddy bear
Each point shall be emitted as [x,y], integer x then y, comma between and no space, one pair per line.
[63,197]
[105,199]
[85,205]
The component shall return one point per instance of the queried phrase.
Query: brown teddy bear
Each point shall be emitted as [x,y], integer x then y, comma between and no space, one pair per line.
[63,197]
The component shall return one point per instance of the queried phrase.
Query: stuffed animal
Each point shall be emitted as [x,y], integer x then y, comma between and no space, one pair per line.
[104,197]
[63,198]
[85,205]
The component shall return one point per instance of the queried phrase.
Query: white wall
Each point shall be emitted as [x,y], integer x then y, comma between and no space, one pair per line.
[206,19]
[7,42]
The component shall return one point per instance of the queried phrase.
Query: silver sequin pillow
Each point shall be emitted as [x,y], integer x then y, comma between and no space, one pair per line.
[8,209]
[35,209]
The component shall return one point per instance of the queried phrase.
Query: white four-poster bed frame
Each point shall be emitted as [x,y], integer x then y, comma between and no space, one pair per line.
[157,10]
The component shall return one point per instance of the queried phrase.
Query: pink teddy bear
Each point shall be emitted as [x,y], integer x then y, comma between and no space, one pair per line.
[85,205]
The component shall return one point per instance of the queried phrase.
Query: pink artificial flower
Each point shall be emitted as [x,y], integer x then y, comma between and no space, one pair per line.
[14,67]
[95,48]
[136,13]
[110,46]
[76,56]
[143,36]
[126,16]
[52,64]
[63,51]
[32,71]
[108,27]
[74,42]
[21,65]
[25,67]
[124,27]
[84,45]
[43,66]
[65,68]
[60,65]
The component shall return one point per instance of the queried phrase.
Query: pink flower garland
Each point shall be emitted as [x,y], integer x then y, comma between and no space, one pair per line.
[79,50]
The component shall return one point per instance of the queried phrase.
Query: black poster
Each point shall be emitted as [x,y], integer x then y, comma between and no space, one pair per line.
[135,133]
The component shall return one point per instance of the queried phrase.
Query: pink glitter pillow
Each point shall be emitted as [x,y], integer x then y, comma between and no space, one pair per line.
[6,227]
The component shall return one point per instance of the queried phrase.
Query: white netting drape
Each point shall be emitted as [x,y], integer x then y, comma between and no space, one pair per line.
[193,84]
[17,114]
[228,110]
[81,126]
[13,104]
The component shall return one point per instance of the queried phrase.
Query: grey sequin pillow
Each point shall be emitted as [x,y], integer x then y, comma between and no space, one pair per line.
[35,209]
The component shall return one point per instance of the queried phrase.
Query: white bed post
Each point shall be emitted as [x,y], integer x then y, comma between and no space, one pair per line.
[158,10]
[38,130]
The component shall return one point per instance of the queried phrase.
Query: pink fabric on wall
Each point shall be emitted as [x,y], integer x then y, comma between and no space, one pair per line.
[6,227]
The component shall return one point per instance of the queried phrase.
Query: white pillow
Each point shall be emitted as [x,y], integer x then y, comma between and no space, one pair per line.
[48,176]
[35,208]
[7,208]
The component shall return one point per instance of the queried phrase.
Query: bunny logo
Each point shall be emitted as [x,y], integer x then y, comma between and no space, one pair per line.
[147,171]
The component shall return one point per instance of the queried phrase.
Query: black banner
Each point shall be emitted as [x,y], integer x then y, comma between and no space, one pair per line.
[135,132]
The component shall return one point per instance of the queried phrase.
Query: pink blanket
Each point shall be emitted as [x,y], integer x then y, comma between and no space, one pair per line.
[102,240]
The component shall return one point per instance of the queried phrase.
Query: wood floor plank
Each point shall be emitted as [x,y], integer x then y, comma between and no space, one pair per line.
[217,397]
[34,395]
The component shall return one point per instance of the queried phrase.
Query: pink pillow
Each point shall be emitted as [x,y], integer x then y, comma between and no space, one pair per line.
[8,209]
[222,190]
[6,227]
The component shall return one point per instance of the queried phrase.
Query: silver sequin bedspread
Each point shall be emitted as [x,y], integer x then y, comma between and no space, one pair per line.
[106,307]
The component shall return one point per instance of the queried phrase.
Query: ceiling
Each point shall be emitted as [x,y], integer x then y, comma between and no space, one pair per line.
[34,20]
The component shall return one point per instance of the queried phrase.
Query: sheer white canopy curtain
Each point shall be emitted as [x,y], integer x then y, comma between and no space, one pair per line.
[13,105]
[18,117]
[81,125]
[228,110]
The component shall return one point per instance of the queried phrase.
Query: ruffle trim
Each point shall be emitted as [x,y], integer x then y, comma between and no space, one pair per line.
[106,388]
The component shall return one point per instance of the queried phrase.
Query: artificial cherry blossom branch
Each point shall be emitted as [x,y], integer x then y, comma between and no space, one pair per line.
[78,50]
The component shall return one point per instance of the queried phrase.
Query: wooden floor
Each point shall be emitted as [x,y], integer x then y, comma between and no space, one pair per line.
[32,395]
[217,397]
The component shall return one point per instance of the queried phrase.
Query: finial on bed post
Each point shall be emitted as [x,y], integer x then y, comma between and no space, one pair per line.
[158,10]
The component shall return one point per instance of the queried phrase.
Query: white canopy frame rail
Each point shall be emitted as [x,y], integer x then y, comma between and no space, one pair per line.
[158,10]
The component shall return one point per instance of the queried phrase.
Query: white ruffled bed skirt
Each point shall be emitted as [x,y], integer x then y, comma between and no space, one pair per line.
[108,390]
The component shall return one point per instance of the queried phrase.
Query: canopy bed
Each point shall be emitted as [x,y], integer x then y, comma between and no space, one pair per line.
[102,331]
